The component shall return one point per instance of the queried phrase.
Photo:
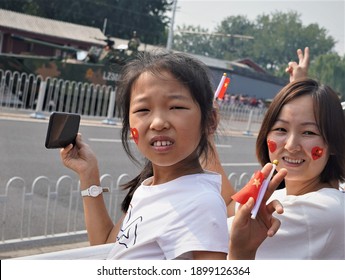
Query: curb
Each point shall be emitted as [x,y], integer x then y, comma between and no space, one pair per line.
[86,120]
[40,245]
[224,130]
[41,250]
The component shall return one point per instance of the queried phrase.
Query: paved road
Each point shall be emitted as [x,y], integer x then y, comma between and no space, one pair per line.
[23,153]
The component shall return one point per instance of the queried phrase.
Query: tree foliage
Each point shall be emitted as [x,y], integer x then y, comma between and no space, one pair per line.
[219,44]
[330,69]
[146,17]
[185,39]
[280,35]
[277,36]
[230,46]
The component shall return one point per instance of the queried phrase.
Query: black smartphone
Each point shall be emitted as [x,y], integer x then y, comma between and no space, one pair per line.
[62,130]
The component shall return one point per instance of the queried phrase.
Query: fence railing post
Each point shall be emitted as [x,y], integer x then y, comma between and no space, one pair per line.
[42,210]
[110,119]
[39,106]
[249,124]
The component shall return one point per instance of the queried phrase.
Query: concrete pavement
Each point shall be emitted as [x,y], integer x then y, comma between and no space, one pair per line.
[41,250]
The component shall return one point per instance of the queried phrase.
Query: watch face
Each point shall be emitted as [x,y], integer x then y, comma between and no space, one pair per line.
[94,191]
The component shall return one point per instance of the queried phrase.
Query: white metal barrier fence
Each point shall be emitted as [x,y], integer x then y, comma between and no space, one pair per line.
[45,210]
[20,90]
[28,91]
[238,112]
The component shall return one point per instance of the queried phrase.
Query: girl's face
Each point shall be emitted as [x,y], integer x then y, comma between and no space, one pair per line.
[295,141]
[164,119]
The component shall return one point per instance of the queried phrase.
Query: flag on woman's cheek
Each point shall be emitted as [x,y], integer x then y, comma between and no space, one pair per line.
[251,189]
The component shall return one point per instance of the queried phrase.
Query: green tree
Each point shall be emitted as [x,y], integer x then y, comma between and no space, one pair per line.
[146,17]
[191,39]
[330,69]
[234,39]
[277,36]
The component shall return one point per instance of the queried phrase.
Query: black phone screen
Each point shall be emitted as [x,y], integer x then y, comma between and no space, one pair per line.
[62,129]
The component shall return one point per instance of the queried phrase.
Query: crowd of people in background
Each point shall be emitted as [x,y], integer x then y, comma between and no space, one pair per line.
[243,100]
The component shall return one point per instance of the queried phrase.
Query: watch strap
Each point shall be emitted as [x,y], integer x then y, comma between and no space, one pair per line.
[87,192]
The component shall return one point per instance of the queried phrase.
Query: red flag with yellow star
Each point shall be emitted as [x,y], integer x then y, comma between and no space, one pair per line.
[223,88]
[251,189]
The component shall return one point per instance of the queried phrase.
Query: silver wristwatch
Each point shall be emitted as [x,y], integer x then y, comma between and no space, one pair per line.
[94,191]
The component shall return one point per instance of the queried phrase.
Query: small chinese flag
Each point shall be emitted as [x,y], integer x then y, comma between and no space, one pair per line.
[250,190]
[223,88]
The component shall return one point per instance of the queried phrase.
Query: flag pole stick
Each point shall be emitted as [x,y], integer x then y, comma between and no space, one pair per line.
[220,85]
[263,190]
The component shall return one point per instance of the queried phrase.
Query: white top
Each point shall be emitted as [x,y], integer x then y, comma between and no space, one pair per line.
[312,227]
[171,220]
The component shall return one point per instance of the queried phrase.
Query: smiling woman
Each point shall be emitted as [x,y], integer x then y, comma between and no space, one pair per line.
[299,130]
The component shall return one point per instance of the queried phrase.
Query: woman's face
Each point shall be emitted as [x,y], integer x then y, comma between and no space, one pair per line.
[295,141]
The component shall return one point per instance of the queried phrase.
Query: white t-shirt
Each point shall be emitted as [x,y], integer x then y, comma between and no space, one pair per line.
[171,220]
[312,227]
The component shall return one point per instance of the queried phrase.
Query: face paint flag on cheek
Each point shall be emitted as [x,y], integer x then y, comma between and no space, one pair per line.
[272,146]
[249,190]
[135,135]
[316,153]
